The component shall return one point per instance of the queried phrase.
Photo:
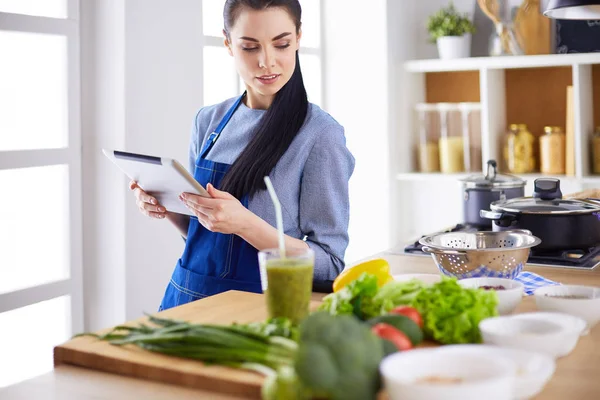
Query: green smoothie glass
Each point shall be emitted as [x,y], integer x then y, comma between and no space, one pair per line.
[287,282]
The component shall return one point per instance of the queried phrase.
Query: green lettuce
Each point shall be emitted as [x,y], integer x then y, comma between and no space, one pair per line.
[352,298]
[452,313]
[394,294]
[363,298]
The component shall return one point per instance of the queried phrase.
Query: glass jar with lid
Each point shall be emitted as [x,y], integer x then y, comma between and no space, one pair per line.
[519,150]
[596,151]
[552,151]
[451,143]
[471,126]
[428,132]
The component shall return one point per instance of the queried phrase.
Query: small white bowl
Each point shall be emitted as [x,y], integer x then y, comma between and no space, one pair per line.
[551,298]
[534,369]
[508,299]
[479,376]
[555,334]
[428,279]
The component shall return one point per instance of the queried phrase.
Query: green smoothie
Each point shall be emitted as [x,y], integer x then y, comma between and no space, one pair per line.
[289,288]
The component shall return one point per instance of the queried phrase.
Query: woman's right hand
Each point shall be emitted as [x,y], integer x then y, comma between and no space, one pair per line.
[147,204]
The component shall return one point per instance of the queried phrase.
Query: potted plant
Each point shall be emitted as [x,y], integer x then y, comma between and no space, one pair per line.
[451,31]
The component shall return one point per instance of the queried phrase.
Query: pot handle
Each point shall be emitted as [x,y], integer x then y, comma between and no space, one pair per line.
[430,250]
[490,214]
[491,164]
[501,218]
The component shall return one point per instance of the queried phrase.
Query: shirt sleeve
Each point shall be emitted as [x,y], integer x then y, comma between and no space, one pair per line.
[194,144]
[324,202]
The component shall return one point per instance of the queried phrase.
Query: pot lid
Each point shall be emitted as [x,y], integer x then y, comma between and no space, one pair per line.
[531,205]
[547,199]
[492,179]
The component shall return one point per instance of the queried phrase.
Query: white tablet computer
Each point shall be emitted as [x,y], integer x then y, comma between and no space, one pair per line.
[163,178]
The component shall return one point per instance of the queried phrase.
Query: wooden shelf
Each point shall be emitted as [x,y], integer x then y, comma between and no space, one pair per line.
[504,62]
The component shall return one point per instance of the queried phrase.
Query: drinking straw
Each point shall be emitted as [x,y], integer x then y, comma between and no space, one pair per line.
[278,216]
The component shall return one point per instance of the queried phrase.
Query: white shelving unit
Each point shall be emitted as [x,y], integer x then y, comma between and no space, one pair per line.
[508,62]
[493,101]
[433,200]
[434,177]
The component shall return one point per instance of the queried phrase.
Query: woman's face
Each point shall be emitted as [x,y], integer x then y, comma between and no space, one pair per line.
[263,44]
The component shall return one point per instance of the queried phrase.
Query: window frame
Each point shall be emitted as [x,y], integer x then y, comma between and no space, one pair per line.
[70,156]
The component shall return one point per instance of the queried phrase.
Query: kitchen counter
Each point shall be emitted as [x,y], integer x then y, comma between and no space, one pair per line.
[405,264]
[576,376]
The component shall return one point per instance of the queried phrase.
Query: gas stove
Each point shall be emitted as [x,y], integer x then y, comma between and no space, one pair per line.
[586,259]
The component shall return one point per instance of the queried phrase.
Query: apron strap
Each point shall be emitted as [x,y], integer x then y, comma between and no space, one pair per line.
[215,135]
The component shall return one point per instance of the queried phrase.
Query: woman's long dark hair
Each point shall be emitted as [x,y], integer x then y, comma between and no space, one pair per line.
[281,122]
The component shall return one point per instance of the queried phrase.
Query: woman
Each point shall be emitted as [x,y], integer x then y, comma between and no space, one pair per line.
[271,130]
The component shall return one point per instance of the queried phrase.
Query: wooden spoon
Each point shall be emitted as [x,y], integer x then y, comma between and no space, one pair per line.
[489,8]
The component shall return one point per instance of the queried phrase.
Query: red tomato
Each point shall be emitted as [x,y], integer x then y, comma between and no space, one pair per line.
[396,336]
[409,312]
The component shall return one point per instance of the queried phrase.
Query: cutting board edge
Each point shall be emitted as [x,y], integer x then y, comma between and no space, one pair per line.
[63,355]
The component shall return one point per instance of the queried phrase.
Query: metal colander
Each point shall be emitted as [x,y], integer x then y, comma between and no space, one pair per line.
[478,254]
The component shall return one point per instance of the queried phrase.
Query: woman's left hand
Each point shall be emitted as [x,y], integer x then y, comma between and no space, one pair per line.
[221,213]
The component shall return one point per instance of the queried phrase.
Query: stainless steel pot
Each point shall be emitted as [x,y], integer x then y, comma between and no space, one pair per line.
[559,223]
[480,191]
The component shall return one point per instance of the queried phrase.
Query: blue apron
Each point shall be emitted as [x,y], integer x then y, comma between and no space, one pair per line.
[212,262]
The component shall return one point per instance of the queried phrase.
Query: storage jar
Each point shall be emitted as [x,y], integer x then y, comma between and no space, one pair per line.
[552,151]
[451,143]
[428,136]
[520,150]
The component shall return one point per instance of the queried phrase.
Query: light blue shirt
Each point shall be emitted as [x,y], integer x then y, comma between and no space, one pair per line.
[310,179]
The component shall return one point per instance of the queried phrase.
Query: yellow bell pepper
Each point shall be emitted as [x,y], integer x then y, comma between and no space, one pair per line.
[378,267]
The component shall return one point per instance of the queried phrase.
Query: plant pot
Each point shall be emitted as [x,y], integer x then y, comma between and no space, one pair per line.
[450,47]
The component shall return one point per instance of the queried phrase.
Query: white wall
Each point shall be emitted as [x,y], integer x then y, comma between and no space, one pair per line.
[404,42]
[163,92]
[142,83]
[356,84]
[103,125]
[422,10]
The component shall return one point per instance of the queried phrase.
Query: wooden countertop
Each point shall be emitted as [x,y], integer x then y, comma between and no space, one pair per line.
[576,375]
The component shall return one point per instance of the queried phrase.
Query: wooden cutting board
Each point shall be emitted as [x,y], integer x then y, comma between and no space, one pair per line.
[225,308]
[533,28]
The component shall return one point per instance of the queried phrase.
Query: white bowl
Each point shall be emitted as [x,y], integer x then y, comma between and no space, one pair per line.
[555,334]
[547,299]
[481,377]
[508,299]
[534,369]
[428,279]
